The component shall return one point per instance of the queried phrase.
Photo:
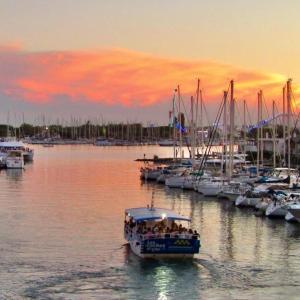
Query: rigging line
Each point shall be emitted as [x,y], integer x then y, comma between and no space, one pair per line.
[205,153]
[184,136]
[206,113]
[197,101]
[248,113]
[215,131]
[265,104]
[208,147]
[183,104]
[238,112]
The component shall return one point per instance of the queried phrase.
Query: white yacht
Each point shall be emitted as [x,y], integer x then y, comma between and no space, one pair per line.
[15,159]
[158,232]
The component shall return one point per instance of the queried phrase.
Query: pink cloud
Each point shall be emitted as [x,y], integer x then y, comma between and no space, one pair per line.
[124,77]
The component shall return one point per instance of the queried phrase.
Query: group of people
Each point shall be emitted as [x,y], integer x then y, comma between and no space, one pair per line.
[160,228]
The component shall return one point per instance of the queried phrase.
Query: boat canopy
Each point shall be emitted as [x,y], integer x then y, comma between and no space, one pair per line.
[11,144]
[144,213]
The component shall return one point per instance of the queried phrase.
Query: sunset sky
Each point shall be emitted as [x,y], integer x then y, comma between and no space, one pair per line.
[122,59]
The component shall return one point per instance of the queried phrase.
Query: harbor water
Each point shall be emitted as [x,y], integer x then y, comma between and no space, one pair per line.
[61,235]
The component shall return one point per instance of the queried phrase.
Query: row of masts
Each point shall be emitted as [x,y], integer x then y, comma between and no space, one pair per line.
[228,138]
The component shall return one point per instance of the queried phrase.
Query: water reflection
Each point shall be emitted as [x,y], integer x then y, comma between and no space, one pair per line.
[14,174]
[162,279]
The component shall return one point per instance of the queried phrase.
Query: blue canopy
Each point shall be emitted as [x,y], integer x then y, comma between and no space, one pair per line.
[145,214]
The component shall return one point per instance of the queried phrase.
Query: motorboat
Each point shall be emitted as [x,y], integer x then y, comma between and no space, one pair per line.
[15,159]
[7,146]
[160,233]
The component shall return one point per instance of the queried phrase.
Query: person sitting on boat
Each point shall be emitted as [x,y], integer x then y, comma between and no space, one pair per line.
[131,223]
[196,234]
[174,226]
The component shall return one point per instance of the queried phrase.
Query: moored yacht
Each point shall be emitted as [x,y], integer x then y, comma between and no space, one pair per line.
[158,232]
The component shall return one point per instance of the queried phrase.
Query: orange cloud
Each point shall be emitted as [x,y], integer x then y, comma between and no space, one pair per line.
[117,76]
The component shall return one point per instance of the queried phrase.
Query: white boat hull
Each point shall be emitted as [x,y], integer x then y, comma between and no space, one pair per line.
[229,195]
[188,184]
[247,202]
[262,206]
[290,218]
[278,211]
[175,182]
[151,175]
[209,189]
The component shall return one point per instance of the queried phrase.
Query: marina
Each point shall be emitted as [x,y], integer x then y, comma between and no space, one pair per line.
[149,150]
[62,223]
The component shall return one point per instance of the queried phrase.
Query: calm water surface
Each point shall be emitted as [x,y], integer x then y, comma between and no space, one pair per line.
[61,235]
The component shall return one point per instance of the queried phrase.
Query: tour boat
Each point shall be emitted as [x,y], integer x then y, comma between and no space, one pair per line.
[160,233]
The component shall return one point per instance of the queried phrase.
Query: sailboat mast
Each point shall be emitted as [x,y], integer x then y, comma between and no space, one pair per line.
[174,125]
[274,142]
[201,122]
[197,106]
[231,128]
[257,134]
[245,135]
[261,130]
[180,125]
[192,132]
[289,82]
[224,142]
[283,125]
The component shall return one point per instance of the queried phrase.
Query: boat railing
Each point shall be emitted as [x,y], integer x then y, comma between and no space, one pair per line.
[149,235]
